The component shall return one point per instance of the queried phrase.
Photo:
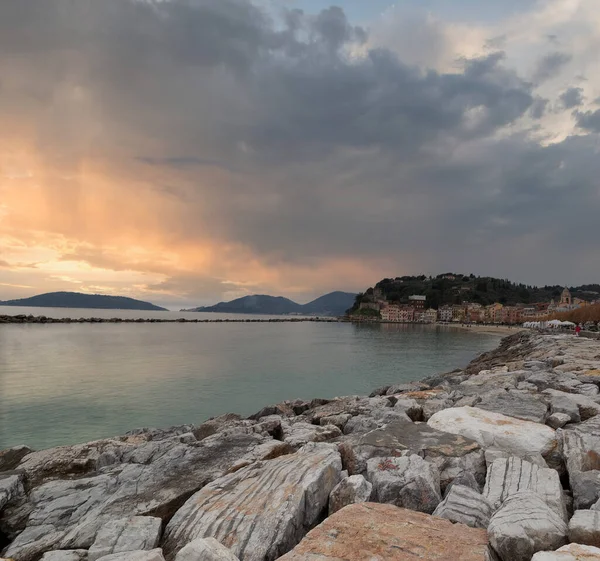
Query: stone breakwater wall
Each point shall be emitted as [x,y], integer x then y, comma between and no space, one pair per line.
[45,319]
[496,461]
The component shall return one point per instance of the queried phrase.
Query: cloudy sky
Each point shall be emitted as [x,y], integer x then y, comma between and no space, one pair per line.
[191,151]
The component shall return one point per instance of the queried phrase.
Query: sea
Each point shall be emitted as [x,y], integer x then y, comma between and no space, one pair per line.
[71,383]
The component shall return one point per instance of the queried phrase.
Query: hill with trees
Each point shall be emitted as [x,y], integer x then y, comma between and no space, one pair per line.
[79,300]
[455,288]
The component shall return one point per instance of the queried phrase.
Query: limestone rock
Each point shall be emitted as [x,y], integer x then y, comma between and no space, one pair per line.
[205,549]
[560,404]
[152,555]
[11,457]
[408,482]
[466,479]
[465,506]
[338,420]
[263,510]
[493,454]
[584,527]
[127,534]
[11,489]
[586,488]
[588,408]
[495,430]
[571,552]
[506,477]
[171,472]
[451,454]
[385,532]
[353,489]
[515,403]
[558,420]
[65,555]
[525,525]
[298,434]
[581,446]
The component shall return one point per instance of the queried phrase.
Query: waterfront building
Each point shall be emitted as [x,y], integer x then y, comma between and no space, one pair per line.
[445,313]
[417,301]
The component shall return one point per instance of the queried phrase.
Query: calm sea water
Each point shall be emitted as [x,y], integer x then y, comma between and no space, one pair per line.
[62,384]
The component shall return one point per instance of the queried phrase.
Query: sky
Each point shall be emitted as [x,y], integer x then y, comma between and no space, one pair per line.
[187,152]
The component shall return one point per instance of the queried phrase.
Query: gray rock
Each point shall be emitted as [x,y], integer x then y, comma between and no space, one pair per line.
[581,446]
[337,420]
[152,555]
[565,406]
[451,454]
[408,482]
[507,477]
[465,506]
[585,487]
[353,489]
[263,510]
[299,434]
[170,473]
[588,408]
[466,479]
[527,386]
[525,525]
[515,403]
[361,424]
[571,552]
[596,505]
[11,457]
[410,407]
[558,420]
[127,534]
[584,527]
[65,555]
[205,549]
[11,489]
[493,454]
[553,380]
[591,390]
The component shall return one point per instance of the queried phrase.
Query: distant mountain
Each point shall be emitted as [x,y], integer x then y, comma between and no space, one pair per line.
[78,300]
[333,304]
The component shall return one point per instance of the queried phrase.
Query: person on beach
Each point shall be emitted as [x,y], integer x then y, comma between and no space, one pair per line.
[577,330]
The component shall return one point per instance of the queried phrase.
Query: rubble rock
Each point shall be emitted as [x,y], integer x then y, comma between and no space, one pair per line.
[299,434]
[558,420]
[408,482]
[465,506]
[401,535]
[525,525]
[351,490]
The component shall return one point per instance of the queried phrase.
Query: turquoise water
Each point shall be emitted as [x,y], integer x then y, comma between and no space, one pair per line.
[62,384]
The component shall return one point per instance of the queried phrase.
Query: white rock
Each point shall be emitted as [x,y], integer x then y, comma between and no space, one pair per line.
[494,430]
[152,555]
[205,549]
[509,476]
[465,506]
[525,525]
[584,527]
[126,534]
[571,552]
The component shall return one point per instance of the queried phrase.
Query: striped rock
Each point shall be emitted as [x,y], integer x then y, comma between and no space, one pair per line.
[525,525]
[261,511]
[465,506]
[507,476]
[571,552]
[369,531]
[581,446]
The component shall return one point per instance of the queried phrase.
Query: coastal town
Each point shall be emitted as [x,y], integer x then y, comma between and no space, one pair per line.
[416,310]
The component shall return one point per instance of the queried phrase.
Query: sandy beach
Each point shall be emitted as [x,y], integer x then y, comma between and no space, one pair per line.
[493,329]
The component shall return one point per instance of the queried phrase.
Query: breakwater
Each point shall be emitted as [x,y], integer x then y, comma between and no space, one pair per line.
[495,461]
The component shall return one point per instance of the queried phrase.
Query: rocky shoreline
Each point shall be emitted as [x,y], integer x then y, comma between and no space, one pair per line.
[496,461]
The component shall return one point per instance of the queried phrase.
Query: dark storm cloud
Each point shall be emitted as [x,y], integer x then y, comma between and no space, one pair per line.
[589,120]
[291,143]
[573,97]
[550,65]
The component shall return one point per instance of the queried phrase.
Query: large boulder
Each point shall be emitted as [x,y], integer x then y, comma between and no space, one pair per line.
[571,552]
[584,527]
[205,549]
[11,488]
[581,446]
[465,506]
[451,454]
[585,486]
[515,403]
[588,408]
[408,482]
[509,476]
[11,457]
[263,510]
[126,534]
[385,532]
[353,489]
[168,472]
[494,430]
[525,525]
